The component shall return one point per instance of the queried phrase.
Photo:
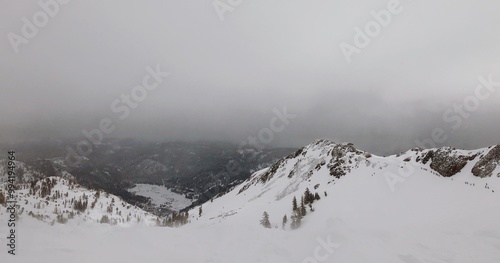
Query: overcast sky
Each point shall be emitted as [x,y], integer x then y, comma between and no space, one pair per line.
[226,77]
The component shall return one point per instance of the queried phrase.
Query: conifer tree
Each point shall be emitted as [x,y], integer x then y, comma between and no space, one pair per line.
[294,204]
[200,211]
[296,220]
[303,210]
[265,220]
[307,197]
[104,219]
[285,220]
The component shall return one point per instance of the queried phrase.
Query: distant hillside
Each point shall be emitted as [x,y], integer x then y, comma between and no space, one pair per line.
[196,171]
[57,200]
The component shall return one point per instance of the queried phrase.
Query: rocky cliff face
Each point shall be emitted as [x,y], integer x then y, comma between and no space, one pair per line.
[487,163]
[448,161]
[339,165]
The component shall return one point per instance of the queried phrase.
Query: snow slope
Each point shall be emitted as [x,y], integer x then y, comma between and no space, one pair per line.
[58,202]
[384,209]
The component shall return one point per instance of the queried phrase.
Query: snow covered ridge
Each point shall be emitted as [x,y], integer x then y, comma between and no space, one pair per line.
[320,166]
[444,209]
[57,200]
[341,159]
[303,162]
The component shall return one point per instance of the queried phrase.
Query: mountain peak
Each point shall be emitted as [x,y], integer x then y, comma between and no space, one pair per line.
[340,159]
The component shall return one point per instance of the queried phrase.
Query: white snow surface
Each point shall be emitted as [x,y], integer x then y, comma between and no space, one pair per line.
[161,195]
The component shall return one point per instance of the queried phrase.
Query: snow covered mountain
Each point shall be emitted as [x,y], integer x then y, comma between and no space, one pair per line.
[323,164]
[58,200]
[435,205]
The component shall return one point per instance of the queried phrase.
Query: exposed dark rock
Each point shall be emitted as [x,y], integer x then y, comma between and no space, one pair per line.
[427,157]
[446,162]
[319,165]
[272,170]
[487,164]
[295,154]
[337,170]
[337,165]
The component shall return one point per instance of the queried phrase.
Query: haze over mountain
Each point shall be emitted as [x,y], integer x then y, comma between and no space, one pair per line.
[226,77]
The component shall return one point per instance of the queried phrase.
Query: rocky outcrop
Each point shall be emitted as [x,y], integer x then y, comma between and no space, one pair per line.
[340,153]
[488,163]
[446,161]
